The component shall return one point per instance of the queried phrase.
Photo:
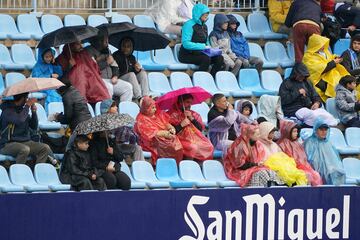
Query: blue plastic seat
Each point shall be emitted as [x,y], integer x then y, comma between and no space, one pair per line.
[45,174]
[130,108]
[134,184]
[290,50]
[165,57]
[176,57]
[214,171]
[249,80]
[258,23]
[97,109]
[5,184]
[144,21]
[96,20]
[305,133]
[180,80]
[2,85]
[44,123]
[352,170]
[22,54]
[118,18]
[226,81]
[8,29]
[341,45]
[144,58]
[190,171]
[21,175]
[158,83]
[73,20]
[217,154]
[6,61]
[331,107]
[206,81]
[254,114]
[271,80]
[55,107]
[202,109]
[143,171]
[28,23]
[256,51]
[167,170]
[338,141]
[50,23]
[352,136]
[243,28]
[287,73]
[13,77]
[210,23]
[91,110]
[275,52]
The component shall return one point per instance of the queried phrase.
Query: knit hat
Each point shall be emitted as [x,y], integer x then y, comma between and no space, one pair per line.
[106,105]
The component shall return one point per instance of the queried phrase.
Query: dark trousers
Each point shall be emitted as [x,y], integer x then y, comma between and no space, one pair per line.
[202,60]
[84,183]
[117,180]
[301,34]
[354,122]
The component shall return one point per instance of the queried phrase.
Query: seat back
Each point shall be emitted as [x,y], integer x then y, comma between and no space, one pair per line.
[164,56]
[144,21]
[4,54]
[55,107]
[91,110]
[41,113]
[352,167]
[166,169]
[337,138]
[290,50]
[13,77]
[180,80]
[190,170]
[205,80]
[287,73]
[119,18]
[125,168]
[46,174]
[143,171]
[96,20]
[73,20]
[130,108]
[4,177]
[20,174]
[97,109]
[271,80]
[331,107]
[28,23]
[50,23]
[176,51]
[202,109]
[257,22]
[275,51]
[249,79]
[242,27]
[341,45]
[352,136]
[158,82]
[210,23]
[256,51]
[214,171]
[8,24]
[226,81]
[22,53]
[2,83]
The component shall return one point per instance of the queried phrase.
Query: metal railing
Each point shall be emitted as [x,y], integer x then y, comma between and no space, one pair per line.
[118,5]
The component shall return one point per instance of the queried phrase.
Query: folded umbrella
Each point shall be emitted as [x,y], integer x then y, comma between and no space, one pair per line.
[32,85]
[169,99]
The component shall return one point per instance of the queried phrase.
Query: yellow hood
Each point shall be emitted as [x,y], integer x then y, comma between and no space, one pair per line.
[316,42]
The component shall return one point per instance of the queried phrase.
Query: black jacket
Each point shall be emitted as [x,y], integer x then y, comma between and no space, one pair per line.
[107,71]
[348,15]
[16,123]
[303,10]
[125,63]
[292,100]
[348,65]
[75,108]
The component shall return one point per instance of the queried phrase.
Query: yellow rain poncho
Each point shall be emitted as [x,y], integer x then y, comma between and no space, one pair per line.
[316,63]
[285,168]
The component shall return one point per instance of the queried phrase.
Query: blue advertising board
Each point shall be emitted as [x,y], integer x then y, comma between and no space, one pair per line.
[228,214]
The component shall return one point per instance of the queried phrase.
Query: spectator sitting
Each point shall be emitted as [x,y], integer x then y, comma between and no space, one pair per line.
[109,70]
[195,40]
[45,67]
[219,38]
[130,70]
[347,102]
[240,46]
[267,134]
[16,126]
[325,68]
[351,57]
[245,108]
[278,11]
[77,169]
[189,126]
[270,108]
[323,156]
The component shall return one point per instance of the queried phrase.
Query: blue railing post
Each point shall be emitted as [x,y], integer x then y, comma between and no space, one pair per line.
[34,5]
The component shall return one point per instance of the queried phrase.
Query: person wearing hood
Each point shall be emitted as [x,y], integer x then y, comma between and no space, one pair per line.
[297,92]
[244,160]
[324,68]
[351,57]
[240,46]
[323,156]
[245,107]
[278,10]
[219,38]
[195,39]
[270,108]
[347,103]
[290,145]
[267,134]
[46,67]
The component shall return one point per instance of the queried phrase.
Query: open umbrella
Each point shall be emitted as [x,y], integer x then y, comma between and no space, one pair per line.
[32,85]
[169,99]
[67,35]
[113,28]
[145,39]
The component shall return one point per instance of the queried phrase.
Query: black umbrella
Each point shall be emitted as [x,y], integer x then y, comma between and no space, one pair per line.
[145,39]
[67,35]
[113,28]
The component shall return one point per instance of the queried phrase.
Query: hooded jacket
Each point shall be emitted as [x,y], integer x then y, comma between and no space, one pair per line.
[269,145]
[195,32]
[278,10]
[126,63]
[345,103]
[347,61]
[239,45]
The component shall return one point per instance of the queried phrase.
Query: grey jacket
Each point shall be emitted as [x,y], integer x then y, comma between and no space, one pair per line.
[345,102]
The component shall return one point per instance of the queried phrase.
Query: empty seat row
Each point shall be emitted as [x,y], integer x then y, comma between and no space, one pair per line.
[21,57]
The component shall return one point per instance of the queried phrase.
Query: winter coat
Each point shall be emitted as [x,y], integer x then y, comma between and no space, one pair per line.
[107,71]
[16,123]
[239,45]
[125,63]
[345,103]
[303,10]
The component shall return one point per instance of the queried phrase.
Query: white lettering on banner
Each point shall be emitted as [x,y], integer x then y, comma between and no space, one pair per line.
[296,220]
